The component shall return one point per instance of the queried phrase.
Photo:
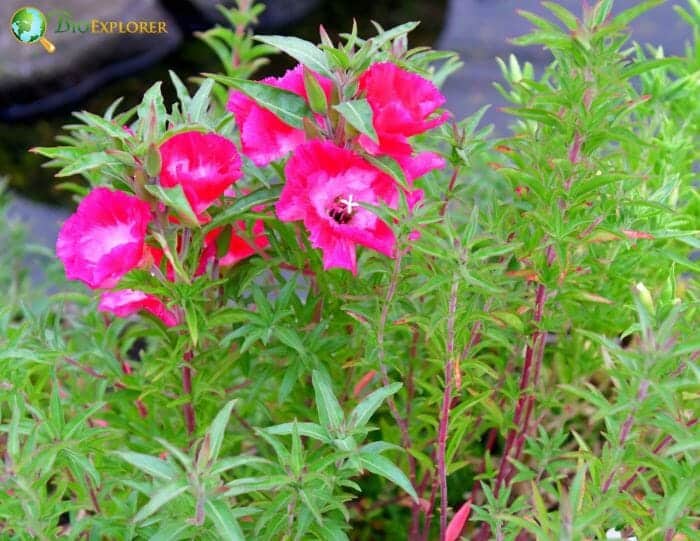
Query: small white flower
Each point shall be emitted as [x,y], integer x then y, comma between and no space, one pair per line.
[612,533]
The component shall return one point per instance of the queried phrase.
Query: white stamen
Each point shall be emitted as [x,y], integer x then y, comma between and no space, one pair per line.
[349,204]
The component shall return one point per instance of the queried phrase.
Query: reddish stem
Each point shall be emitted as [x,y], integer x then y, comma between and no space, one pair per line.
[445,412]
[187,408]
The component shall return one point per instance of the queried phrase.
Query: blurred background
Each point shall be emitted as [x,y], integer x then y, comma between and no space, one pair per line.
[89,71]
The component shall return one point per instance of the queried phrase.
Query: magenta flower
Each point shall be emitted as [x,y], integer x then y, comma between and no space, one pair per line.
[204,164]
[126,302]
[104,239]
[324,187]
[264,137]
[402,104]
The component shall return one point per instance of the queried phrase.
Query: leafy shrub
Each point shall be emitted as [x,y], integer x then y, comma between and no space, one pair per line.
[396,327]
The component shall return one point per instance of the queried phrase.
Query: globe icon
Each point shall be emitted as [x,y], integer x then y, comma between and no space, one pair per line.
[28,25]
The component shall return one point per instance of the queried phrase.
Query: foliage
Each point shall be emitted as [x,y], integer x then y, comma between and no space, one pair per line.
[531,348]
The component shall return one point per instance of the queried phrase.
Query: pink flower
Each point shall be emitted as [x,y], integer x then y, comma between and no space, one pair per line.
[104,239]
[126,302]
[239,248]
[204,164]
[324,186]
[264,137]
[402,104]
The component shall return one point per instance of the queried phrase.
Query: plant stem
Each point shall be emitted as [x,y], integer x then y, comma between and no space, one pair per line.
[534,352]
[401,422]
[446,401]
[188,408]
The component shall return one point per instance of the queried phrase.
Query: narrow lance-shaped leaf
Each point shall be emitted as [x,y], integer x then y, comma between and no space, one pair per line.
[224,521]
[285,105]
[175,198]
[218,429]
[153,466]
[363,412]
[303,51]
[329,411]
[381,465]
[358,114]
[160,498]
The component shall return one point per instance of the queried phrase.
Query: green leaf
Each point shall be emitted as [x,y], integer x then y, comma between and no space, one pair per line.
[152,115]
[632,13]
[358,114]
[152,162]
[389,166]
[329,411]
[241,205]
[88,162]
[153,466]
[160,498]
[392,33]
[224,521]
[255,484]
[218,428]
[380,465]
[200,101]
[285,105]
[315,92]
[109,128]
[175,199]
[563,14]
[303,51]
[363,412]
[310,430]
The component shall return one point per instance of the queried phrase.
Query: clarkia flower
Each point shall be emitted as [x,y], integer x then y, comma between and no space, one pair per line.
[325,185]
[126,302]
[402,105]
[204,164]
[264,137]
[239,248]
[104,239]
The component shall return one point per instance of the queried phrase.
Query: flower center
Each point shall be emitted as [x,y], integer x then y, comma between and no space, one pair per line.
[342,209]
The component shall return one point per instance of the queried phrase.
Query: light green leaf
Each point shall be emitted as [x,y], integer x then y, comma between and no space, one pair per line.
[363,412]
[358,114]
[310,430]
[383,466]
[175,199]
[224,521]
[153,466]
[218,428]
[329,411]
[285,105]
[88,162]
[303,51]
[160,498]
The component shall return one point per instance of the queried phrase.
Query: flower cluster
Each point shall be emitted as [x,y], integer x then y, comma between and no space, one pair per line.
[107,236]
[329,182]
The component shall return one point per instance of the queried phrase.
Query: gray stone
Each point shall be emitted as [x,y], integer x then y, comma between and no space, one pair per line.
[33,81]
[41,223]
[479,29]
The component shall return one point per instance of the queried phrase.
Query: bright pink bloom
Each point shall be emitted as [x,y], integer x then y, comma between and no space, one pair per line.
[239,248]
[204,164]
[402,104]
[104,239]
[324,184]
[126,302]
[264,137]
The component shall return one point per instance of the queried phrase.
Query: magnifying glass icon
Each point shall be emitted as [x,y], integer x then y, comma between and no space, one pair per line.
[28,25]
